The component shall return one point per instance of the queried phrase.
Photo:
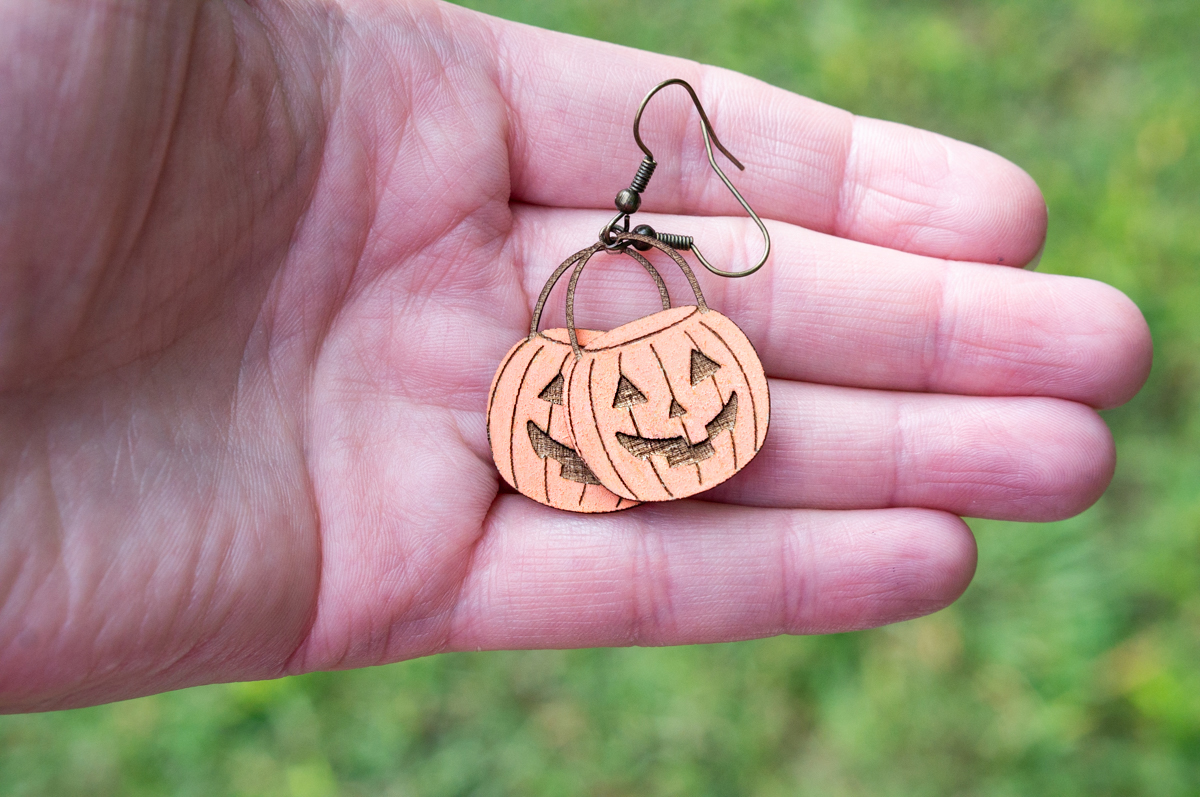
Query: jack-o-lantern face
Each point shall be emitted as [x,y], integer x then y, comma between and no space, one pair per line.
[668,405]
[528,429]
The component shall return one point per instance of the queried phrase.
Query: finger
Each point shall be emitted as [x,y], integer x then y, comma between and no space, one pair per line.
[691,572]
[1027,459]
[841,312]
[572,102]
[1031,459]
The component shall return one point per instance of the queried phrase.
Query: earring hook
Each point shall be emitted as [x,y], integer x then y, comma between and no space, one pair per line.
[710,138]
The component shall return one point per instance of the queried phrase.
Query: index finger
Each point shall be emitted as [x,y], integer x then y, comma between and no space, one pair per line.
[572,102]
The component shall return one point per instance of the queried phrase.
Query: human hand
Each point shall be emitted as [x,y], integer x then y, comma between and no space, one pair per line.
[258,263]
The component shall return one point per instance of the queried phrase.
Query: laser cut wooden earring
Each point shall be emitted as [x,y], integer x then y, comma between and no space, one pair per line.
[668,405]
[660,408]
[528,428]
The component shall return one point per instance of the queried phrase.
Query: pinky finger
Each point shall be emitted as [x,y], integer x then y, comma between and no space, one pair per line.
[691,572]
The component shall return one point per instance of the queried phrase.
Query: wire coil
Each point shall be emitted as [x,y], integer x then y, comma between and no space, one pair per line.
[683,242]
[644,173]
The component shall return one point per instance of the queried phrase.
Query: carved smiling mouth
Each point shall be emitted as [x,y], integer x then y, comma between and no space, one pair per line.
[572,467]
[677,450]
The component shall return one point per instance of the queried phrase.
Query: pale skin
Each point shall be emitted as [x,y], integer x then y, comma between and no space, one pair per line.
[258,262]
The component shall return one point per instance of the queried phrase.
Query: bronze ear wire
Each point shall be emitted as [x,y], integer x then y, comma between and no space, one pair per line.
[629,200]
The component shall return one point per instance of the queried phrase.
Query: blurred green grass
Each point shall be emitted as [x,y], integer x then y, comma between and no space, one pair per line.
[1070,667]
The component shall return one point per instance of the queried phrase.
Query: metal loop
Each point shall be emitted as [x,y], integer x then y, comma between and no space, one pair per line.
[679,261]
[710,138]
[607,239]
[585,255]
[627,237]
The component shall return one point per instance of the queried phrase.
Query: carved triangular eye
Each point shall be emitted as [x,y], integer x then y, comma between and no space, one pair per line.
[627,394]
[702,367]
[677,410]
[553,391]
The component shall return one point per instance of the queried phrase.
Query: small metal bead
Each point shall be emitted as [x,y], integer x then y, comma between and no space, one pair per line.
[646,230]
[628,200]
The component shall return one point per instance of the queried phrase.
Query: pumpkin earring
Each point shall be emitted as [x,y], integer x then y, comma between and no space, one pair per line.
[660,408]
[528,428]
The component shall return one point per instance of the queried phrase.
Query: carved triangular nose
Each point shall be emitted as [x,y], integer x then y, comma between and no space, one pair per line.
[677,410]
[627,393]
[553,391]
[702,367]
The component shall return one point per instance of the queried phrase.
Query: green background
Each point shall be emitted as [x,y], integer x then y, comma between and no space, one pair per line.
[1071,665]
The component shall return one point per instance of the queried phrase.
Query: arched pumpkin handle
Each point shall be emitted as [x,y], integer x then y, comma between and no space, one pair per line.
[586,255]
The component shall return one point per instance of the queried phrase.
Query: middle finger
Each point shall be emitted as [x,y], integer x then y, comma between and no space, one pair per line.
[1032,459]
[830,310]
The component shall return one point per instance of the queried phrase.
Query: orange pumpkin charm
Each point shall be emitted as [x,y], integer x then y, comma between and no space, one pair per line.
[527,419]
[528,429]
[668,405]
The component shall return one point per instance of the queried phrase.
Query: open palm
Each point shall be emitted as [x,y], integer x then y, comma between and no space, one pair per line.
[259,261]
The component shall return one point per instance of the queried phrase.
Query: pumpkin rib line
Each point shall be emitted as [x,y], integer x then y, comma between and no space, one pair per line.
[639,429]
[649,460]
[732,436]
[512,425]
[643,337]
[746,376]
[683,428]
[721,400]
[596,423]
[667,379]
[546,461]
